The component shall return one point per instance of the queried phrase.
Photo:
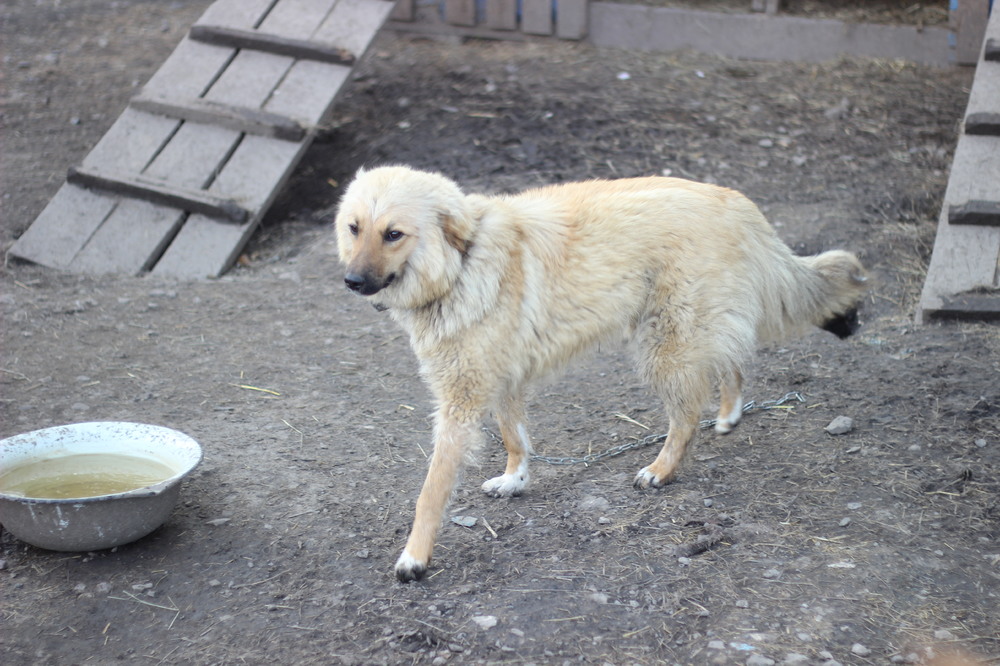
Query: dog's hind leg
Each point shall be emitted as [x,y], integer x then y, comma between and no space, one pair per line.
[731,403]
[453,438]
[682,376]
[515,439]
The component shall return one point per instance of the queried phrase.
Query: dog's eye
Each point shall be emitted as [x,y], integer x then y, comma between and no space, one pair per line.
[393,235]
[353,228]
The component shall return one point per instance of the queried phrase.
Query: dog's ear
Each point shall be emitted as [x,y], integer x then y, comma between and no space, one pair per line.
[458,230]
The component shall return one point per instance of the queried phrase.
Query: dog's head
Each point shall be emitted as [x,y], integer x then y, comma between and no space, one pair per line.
[402,235]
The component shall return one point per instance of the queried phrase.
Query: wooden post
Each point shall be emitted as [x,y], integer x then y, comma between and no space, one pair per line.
[501,14]
[572,19]
[536,17]
[460,12]
[968,20]
[405,10]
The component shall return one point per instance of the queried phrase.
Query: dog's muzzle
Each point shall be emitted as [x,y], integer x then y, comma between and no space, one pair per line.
[366,285]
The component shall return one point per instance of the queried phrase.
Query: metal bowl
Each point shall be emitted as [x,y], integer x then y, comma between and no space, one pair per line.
[104,520]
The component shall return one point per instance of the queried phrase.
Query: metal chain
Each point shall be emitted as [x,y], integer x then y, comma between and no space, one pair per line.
[590,458]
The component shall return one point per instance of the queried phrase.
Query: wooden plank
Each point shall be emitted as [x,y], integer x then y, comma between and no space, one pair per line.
[241,119]
[979,306]
[460,12]
[130,240]
[968,19]
[983,124]
[354,23]
[501,14]
[536,17]
[259,41]
[161,192]
[976,212]
[991,52]
[63,227]
[205,247]
[260,166]
[572,18]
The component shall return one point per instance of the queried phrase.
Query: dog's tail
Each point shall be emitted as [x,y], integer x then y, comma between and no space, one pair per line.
[823,290]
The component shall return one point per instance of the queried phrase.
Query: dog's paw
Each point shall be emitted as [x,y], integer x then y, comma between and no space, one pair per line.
[725,426]
[726,422]
[506,485]
[409,569]
[646,478]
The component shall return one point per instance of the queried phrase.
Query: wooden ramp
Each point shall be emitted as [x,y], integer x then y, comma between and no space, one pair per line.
[963,279]
[180,181]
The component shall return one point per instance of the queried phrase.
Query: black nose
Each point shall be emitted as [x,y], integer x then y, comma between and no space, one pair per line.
[354,281]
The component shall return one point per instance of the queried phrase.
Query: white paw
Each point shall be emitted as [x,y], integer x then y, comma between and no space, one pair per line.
[409,568]
[726,424]
[646,479]
[506,485]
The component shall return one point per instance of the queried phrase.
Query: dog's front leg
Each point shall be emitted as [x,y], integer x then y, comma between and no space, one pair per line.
[515,439]
[452,438]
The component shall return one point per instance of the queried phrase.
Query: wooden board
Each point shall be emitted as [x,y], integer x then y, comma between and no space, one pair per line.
[102,231]
[963,279]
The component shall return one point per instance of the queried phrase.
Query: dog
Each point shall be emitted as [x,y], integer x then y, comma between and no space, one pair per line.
[497,292]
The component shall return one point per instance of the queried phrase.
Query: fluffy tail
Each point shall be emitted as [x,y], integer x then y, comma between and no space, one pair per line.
[823,290]
[831,297]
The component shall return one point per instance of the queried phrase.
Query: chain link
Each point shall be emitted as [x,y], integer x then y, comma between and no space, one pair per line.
[591,458]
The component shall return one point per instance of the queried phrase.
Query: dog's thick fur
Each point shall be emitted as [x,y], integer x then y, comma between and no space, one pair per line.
[496,292]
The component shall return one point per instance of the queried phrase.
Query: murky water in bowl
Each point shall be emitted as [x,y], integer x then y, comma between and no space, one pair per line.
[82,475]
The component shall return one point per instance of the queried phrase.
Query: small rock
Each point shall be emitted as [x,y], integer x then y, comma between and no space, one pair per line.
[683,561]
[839,110]
[363,553]
[215,582]
[860,650]
[766,143]
[759,660]
[3,564]
[716,645]
[592,503]
[485,621]
[103,588]
[854,506]
[708,503]
[943,635]
[215,522]
[742,603]
[599,597]
[79,587]
[603,520]
[772,574]
[465,521]
[844,522]
[795,659]
[981,443]
[840,425]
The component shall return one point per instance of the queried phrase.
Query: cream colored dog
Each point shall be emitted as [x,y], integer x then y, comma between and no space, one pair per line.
[496,292]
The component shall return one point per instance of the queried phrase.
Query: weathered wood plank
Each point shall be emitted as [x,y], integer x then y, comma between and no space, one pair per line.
[241,119]
[63,227]
[460,12]
[983,124]
[259,41]
[968,19]
[205,247]
[260,166]
[536,17]
[130,240]
[160,192]
[572,19]
[974,306]
[501,14]
[976,212]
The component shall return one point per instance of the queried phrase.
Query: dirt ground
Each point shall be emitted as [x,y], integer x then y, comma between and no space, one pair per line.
[779,543]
